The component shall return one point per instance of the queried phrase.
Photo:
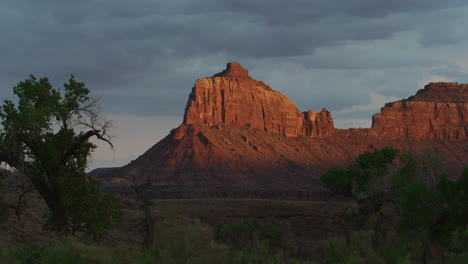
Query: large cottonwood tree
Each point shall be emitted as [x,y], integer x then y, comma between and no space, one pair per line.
[45,136]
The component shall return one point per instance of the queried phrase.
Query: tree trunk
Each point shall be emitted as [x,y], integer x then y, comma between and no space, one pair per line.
[424,253]
[346,229]
[59,219]
[347,236]
[438,252]
[378,232]
[53,201]
[149,223]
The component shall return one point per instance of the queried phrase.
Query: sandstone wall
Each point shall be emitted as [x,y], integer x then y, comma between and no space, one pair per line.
[439,111]
[232,97]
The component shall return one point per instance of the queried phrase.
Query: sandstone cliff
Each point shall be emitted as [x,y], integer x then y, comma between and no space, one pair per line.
[439,111]
[241,138]
[232,97]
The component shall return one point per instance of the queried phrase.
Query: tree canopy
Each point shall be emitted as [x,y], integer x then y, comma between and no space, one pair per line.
[46,137]
[427,205]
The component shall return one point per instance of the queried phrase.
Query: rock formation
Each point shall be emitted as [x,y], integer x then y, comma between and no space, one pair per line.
[241,138]
[232,97]
[439,111]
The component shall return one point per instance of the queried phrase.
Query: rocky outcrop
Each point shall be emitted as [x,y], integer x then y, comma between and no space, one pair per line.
[439,112]
[233,98]
[229,158]
[317,124]
[240,138]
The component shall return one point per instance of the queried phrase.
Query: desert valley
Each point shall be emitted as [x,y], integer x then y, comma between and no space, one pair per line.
[246,178]
[240,138]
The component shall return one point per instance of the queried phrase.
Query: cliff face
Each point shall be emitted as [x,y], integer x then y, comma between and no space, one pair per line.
[232,97]
[240,135]
[439,112]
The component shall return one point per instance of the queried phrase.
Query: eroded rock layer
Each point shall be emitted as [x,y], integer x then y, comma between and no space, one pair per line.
[439,111]
[233,98]
[239,137]
[232,157]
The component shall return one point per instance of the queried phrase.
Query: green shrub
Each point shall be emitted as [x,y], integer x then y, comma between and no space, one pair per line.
[72,251]
[179,243]
[458,250]
[7,255]
[247,233]
[65,251]
[335,250]
[405,250]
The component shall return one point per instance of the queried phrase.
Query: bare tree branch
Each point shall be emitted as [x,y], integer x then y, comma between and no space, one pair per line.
[80,141]
[22,188]
[9,160]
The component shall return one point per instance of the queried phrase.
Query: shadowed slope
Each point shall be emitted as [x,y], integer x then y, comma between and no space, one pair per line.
[239,133]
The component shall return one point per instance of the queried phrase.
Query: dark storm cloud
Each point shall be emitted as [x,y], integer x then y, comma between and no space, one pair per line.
[143,56]
[296,11]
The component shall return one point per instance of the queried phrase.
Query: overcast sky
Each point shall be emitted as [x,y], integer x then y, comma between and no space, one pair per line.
[143,56]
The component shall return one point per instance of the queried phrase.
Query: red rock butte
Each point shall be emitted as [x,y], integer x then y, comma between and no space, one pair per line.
[231,97]
[240,138]
[439,111]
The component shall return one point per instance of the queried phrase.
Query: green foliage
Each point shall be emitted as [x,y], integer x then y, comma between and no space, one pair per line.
[335,250]
[458,247]
[377,159]
[435,212]
[405,175]
[89,211]
[30,252]
[339,180]
[364,179]
[373,170]
[69,251]
[184,242]
[177,241]
[42,139]
[368,182]
[243,235]
[189,243]
[406,251]
[72,251]
[430,208]
[418,210]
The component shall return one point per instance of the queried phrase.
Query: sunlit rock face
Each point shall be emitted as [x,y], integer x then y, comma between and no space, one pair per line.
[232,97]
[239,134]
[439,111]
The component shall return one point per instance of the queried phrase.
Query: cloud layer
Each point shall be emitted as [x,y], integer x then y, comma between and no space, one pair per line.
[143,56]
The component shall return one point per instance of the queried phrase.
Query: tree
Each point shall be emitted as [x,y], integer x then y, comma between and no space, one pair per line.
[428,207]
[433,213]
[147,224]
[368,182]
[22,187]
[3,206]
[46,136]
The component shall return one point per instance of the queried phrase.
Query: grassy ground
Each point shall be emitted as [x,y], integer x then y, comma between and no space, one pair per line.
[215,231]
[304,222]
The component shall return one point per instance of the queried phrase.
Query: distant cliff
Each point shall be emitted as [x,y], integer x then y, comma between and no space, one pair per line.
[239,134]
[101,171]
[439,111]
